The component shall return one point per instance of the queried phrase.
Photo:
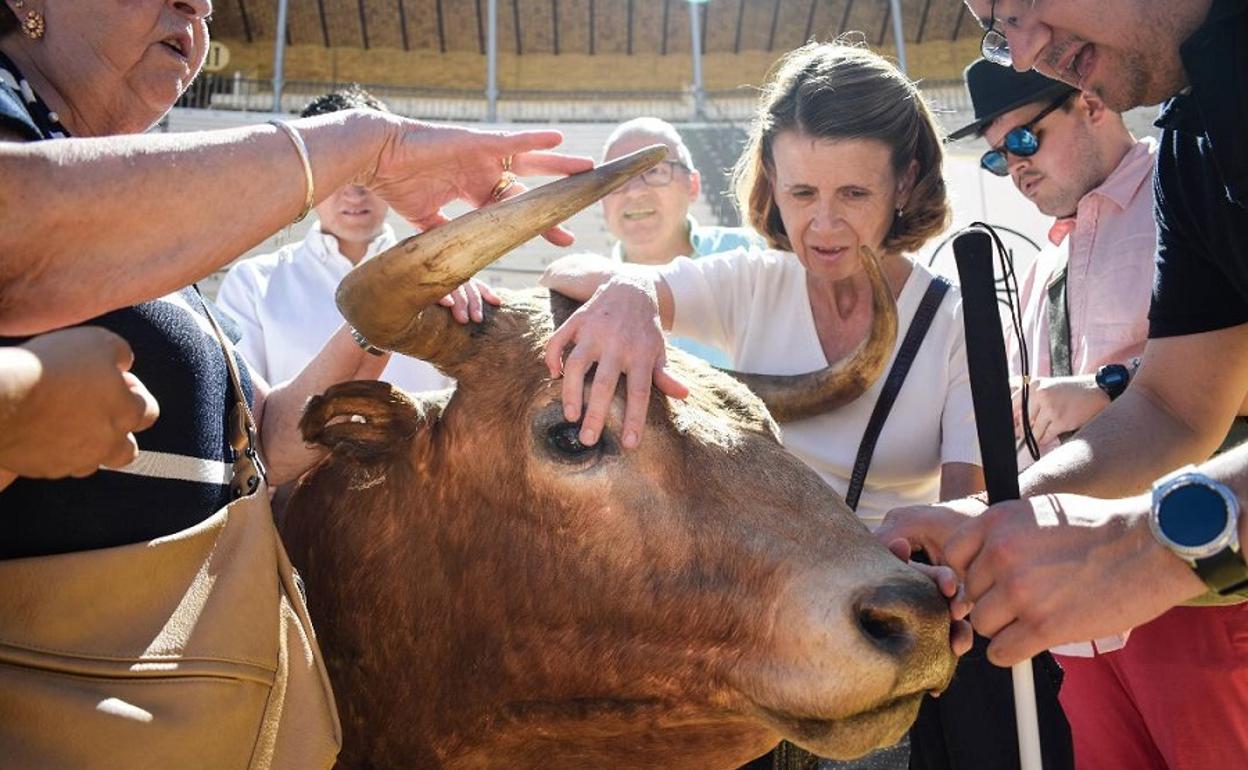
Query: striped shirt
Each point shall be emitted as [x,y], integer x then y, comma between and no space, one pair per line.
[182,472]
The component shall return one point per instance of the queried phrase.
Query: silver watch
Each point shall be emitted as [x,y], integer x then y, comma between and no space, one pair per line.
[1197,519]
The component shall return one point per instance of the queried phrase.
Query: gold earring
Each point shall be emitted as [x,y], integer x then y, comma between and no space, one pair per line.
[33,25]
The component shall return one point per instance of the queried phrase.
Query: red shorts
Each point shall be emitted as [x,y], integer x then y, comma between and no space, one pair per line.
[1175,698]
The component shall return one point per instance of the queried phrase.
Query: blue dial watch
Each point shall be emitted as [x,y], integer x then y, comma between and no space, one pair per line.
[1197,518]
[1113,379]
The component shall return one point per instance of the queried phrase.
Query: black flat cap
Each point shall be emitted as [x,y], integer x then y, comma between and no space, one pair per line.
[995,90]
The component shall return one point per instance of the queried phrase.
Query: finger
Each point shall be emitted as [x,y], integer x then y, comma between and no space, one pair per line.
[961,637]
[1041,430]
[83,471]
[459,311]
[559,236]
[431,221]
[575,367]
[558,342]
[122,454]
[601,394]
[474,301]
[963,546]
[1016,643]
[669,384]
[637,401]
[538,163]
[532,141]
[487,293]
[945,580]
[145,408]
[123,356]
[900,548]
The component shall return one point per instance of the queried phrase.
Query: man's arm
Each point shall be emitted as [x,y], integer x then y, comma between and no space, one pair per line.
[1180,403]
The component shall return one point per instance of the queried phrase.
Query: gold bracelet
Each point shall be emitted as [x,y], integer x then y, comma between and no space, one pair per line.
[302,149]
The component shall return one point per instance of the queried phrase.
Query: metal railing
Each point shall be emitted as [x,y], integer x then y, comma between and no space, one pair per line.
[211,91]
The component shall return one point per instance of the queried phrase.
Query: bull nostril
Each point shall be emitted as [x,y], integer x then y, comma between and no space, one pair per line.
[886,628]
[896,615]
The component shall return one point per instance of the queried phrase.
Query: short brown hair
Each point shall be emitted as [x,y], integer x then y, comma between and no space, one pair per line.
[843,91]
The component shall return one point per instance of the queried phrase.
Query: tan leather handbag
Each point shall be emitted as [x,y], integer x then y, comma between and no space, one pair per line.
[189,651]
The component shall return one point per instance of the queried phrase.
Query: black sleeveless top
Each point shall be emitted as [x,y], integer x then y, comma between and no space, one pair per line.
[182,473]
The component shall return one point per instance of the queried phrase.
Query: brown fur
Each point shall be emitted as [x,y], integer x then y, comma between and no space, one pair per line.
[485,601]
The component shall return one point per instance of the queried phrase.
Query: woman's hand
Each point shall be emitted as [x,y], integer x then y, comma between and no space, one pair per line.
[618,329]
[69,404]
[423,167]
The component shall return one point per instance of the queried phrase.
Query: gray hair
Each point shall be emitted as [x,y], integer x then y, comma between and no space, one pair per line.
[660,129]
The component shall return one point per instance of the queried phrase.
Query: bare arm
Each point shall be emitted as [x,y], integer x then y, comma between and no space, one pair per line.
[278,410]
[1177,411]
[123,219]
[958,480]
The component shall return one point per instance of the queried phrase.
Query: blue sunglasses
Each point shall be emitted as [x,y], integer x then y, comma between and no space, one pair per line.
[1020,141]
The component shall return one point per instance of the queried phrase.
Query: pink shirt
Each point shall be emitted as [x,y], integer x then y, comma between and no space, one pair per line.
[1109,263]
[1108,257]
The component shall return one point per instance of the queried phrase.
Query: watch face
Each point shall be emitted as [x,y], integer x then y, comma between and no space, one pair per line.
[1192,515]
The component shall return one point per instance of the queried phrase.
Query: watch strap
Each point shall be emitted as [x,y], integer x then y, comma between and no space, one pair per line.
[1225,572]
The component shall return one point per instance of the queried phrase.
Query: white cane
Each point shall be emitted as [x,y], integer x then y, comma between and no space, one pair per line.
[990,391]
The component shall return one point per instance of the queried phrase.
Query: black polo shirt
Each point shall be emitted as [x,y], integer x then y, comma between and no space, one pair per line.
[1201,184]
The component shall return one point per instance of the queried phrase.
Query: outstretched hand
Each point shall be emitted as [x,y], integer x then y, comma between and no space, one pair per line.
[422,167]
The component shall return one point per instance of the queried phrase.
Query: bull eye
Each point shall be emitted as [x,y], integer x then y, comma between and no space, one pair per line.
[565,439]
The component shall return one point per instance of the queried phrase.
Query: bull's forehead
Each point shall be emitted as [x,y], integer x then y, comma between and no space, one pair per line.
[718,409]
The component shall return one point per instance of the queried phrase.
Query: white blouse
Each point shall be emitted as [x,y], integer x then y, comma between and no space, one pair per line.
[754,304]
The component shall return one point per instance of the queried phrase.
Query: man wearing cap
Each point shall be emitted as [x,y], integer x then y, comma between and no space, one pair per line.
[1085,303]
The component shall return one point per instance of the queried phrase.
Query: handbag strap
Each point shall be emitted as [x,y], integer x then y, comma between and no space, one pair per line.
[892,386]
[249,468]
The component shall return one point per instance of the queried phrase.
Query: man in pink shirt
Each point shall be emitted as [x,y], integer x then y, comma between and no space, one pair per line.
[1132,705]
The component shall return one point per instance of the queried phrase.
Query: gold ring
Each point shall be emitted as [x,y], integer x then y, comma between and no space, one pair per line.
[503,184]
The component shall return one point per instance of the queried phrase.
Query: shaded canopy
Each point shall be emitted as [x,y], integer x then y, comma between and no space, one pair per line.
[586,26]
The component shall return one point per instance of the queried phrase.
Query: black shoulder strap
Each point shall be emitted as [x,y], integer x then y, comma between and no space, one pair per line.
[892,386]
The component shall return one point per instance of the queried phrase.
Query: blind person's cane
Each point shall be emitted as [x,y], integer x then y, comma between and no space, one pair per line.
[994,420]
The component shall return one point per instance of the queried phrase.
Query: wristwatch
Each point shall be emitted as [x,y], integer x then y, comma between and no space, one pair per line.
[1197,518]
[1113,379]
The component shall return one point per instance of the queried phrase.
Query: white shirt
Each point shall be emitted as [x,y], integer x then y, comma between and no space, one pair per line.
[755,305]
[284,304]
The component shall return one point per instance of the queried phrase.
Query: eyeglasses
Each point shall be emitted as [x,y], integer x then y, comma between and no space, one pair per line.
[994,46]
[1020,141]
[657,176]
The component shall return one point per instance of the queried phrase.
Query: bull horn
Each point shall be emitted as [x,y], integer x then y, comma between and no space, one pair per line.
[383,297]
[793,397]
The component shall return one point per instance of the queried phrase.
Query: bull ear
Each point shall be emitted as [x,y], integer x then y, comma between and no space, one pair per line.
[366,420]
